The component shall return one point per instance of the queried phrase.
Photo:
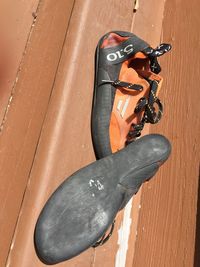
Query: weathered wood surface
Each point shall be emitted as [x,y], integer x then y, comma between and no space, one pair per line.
[16,23]
[65,81]
[21,129]
[69,111]
[166,228]
[42,141]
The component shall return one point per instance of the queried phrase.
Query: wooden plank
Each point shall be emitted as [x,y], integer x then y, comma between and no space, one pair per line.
[40,175]
[16,20]
[106,254]
[65,144]
[166,233]
[148,26]
[197,234]
[21,130]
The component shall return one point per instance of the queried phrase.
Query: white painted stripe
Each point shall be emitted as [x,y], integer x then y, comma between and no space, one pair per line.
[119,104]
[125,107]
[123,236]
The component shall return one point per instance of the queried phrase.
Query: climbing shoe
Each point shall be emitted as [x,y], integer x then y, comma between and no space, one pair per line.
[125,90]
[85,205]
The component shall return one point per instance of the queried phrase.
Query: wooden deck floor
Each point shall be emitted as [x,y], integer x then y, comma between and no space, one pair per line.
[53,44]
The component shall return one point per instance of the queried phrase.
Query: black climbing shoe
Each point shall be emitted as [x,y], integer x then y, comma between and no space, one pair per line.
[125,90]
[84,206]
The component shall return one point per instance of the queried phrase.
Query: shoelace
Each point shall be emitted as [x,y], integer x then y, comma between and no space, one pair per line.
[150,114]
[147,105]
[118,83]
[153,54]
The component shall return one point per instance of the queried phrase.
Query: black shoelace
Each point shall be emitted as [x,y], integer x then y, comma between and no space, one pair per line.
[148,105]
[150,115]
[144,104]
[153,54]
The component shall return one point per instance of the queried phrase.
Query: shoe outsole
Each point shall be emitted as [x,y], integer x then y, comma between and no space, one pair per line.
[84,206]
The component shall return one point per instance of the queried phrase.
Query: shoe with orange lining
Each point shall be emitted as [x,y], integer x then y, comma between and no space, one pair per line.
[125,91]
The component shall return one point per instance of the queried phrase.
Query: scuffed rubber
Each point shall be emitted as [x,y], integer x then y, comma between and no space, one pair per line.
[84,206]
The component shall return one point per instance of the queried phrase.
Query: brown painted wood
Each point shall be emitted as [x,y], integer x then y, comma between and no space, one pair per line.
[66,132]
[21,130]
[16,20]
[105,256]
[148,26]
[166,232]
[197,234]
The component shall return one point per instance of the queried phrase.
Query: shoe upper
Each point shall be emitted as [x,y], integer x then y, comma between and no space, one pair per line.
[126,79]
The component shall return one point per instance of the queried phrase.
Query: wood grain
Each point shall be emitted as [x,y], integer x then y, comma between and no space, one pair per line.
[65,143]
[16,21]
[45,151]
[166,232]
[19,137]
[148,26]
[44,179]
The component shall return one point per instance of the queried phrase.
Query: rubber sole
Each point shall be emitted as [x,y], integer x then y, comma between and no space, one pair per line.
[84,206]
